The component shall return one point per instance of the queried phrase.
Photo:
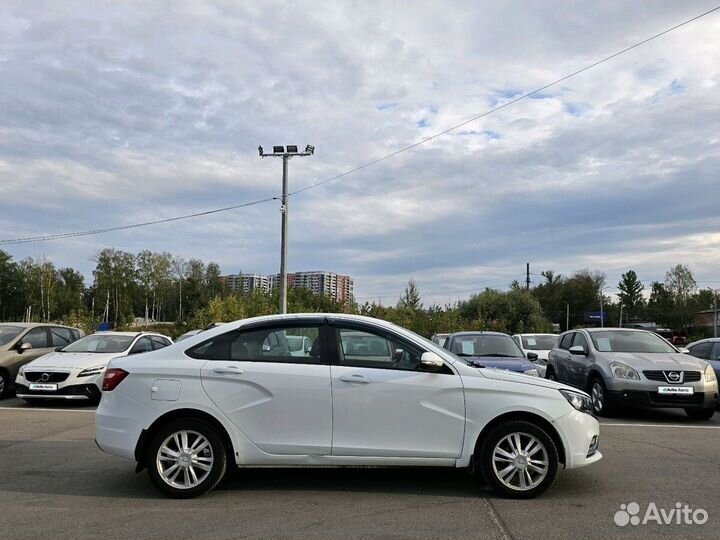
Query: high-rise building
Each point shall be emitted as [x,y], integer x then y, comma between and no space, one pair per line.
[337,286]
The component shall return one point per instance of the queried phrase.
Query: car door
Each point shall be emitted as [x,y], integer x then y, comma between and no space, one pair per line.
[40,343]
[578,363]
[385,404]
[561,357]
[280,401]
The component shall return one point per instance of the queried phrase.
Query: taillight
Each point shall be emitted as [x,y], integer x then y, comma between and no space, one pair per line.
[113,377]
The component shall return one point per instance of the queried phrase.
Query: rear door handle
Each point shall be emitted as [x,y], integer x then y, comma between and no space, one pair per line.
[355,378]
[228,370]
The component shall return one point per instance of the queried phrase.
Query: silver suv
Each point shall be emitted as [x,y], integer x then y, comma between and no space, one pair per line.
[619,366]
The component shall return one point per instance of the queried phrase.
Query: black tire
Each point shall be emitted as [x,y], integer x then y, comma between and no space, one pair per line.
[600,398]
[216,452]
[4,384]
[700,414]
[489,465]
[550,374]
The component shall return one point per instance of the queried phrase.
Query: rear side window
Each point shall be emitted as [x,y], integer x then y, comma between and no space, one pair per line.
[715,355]
[61,336]
[296,344]
[566,341]
[143,345]
[159,343]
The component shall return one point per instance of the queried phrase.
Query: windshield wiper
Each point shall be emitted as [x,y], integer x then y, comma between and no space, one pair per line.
[474,363]
[497,355]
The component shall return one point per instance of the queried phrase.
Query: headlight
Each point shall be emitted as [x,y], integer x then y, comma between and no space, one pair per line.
[709,374]
[89,372]
[21,371]
[622,371]
[532,372]
[581,402]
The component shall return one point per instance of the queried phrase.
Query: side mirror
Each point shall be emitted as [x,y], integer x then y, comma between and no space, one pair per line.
[532,356]
[684,350]
[431,361]
[577,349]
[24,347]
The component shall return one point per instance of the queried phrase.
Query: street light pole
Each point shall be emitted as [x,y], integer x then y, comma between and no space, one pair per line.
[567,316]
[285,152]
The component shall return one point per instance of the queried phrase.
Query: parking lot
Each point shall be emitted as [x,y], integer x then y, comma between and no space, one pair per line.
[56,483]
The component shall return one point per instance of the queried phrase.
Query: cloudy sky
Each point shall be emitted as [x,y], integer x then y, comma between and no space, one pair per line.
[115,113]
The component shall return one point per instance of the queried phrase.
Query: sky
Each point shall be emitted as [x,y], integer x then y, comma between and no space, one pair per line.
[116,113]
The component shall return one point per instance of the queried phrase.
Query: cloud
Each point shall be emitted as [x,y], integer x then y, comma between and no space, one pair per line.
[115,113]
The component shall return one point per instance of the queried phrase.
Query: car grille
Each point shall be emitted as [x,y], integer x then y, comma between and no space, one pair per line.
[53,377]
[659,376]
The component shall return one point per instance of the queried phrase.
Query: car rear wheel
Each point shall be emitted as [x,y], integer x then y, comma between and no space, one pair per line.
[599,396]
[186,458]
[700,414]
[519,459]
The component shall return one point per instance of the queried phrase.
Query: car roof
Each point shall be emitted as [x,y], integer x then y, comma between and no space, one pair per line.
[537,334]
[32,325]
[706,340]
[477,332]
[131,334]
[611,329]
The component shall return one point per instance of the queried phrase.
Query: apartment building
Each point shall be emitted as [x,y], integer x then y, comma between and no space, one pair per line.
[337,286]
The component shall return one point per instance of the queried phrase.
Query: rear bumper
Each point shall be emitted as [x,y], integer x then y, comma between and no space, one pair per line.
[119,423]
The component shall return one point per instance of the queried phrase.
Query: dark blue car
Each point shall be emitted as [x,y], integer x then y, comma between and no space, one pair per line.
[491,350]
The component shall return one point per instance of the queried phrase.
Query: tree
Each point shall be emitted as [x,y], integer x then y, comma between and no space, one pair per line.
[411,297]
[631,289]
[115,284]
[680,284]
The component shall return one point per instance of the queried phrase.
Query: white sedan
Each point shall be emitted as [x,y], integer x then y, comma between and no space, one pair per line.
[75,372]
[367,392]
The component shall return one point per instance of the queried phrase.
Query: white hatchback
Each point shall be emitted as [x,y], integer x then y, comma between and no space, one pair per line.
[75,372]
[366,392]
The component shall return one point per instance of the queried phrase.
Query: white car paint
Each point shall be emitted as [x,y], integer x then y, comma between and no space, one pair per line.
[73,364]
[301,414]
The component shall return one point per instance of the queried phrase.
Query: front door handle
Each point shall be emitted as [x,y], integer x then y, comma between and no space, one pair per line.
[355,378]
[228,370]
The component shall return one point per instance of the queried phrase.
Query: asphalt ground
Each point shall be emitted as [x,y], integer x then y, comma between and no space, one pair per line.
[55,483]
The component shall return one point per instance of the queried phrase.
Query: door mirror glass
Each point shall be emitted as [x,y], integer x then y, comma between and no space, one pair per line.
[577,349]
[532,356]
[431,361]
[24,347]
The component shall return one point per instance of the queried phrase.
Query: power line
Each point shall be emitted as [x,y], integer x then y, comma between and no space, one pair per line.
[504,105]
[126,227]
[369,163]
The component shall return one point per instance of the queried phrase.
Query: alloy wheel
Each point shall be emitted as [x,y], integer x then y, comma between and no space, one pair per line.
[185,459]
[598,397]
[520,461]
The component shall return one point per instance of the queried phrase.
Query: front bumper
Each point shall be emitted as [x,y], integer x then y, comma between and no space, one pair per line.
[580,434]
[644,393]
[70,392]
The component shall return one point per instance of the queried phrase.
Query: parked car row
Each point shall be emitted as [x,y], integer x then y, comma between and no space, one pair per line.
[51,362]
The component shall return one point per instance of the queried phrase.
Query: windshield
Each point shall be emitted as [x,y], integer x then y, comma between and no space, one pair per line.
[630,342]
[485,345]
[98,343]
[539,342]
[8,333]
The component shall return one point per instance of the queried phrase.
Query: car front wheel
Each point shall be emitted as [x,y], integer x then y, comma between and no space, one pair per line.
[519,459]
[599,396]
[4,384]
[186,458]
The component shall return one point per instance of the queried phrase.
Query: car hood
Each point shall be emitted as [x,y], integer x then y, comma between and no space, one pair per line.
[501,362]
[664,361]
[71,360]
[525,379]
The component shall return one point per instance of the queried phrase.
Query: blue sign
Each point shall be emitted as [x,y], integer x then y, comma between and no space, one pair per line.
[594,316]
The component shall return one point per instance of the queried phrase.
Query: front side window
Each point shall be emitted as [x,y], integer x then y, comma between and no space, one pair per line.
[159,343]
[37,337]
[297,344]
[715,355]
[366,349]
[566,340]
[701,350]
[580,341]
[142,345]
[627,341]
